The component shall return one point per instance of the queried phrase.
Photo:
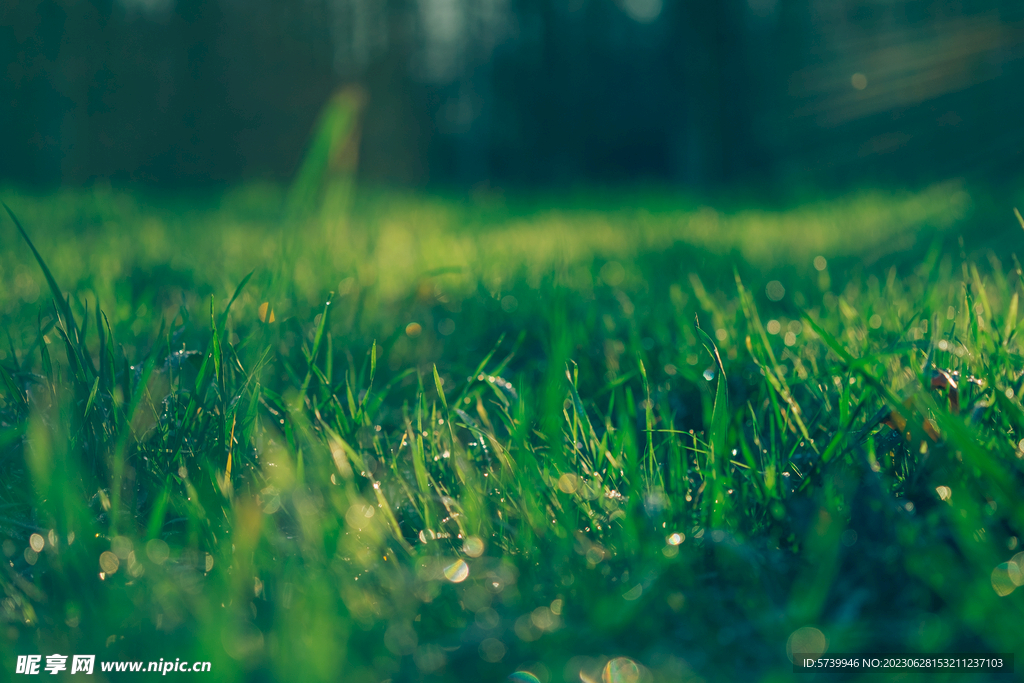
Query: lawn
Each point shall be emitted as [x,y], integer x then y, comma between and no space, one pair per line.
[605,436]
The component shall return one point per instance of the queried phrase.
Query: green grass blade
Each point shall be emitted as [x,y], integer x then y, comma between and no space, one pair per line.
[58,295]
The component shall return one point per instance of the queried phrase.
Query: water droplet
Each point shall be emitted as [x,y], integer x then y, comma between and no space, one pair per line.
[709,374]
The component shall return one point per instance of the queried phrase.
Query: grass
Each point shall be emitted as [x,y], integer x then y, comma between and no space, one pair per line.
[628,438]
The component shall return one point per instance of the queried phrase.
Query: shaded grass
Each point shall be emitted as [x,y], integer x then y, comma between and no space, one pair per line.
[503,442]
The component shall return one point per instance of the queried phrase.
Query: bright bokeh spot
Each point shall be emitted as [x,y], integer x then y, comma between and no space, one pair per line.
[36,542]
[473,546]
[675,539]
[568,483]
[121,546]
[523,677]
[621,670]
[543,619]
[158,551]
[806,640]
[359,516]
[633,593]
[492,650]
[642,11]
[109,562]
[945,493]
[1003,578]
[457,571]
[1018,562]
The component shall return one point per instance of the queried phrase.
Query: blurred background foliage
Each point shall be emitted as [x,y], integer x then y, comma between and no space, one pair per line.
[487,93]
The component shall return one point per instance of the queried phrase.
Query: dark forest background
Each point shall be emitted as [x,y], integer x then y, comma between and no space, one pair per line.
[514,92]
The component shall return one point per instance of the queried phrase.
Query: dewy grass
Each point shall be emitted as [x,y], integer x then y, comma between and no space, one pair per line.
[588,445]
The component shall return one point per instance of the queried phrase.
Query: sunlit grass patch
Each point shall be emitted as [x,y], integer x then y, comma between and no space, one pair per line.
[560,443]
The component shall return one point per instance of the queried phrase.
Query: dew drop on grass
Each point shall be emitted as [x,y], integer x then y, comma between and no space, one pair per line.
[709,374]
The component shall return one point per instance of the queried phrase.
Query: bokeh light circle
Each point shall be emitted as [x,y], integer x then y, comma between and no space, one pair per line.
[36,542]
[806,640]
[457,571]
[620,670]
[109,562]
[157,551]
[1005,579]
[473,546]
[523,677]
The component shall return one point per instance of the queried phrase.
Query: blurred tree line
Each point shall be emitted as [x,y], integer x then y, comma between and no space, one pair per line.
[514,92]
